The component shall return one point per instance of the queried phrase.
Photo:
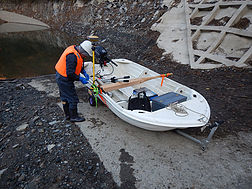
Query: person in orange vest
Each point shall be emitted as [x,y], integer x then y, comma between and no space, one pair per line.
[68,69]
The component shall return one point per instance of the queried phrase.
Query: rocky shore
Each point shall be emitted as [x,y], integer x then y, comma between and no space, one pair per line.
[38,149]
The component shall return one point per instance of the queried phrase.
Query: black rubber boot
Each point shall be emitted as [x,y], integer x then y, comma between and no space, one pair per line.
[74,116]
[66,110]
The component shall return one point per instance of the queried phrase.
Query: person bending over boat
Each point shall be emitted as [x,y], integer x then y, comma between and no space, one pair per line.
[68,69]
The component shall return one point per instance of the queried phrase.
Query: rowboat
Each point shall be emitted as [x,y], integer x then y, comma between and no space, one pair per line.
[170,105]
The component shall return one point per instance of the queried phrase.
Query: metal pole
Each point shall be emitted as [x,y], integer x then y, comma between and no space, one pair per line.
[93,39]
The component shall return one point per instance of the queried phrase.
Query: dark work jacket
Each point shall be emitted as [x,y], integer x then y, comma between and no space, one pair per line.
[71,63]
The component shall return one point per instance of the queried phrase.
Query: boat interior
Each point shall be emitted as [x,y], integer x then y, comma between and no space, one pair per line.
[122,96]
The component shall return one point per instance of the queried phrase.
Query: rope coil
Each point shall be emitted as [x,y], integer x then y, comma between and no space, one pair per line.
[180,110]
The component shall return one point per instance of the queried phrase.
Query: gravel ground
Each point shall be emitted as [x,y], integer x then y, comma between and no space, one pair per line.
[37,151]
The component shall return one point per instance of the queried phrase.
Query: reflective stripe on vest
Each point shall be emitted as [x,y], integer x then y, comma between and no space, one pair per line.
[61,64]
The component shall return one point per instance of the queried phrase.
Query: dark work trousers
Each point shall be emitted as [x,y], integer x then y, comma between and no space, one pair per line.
[67,91]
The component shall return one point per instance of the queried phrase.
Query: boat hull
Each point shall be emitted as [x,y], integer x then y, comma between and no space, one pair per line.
[194,112]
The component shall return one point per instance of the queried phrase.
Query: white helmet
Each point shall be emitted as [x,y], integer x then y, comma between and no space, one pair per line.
[87,46]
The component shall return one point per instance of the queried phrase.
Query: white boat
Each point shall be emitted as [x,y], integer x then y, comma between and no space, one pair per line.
[192,111]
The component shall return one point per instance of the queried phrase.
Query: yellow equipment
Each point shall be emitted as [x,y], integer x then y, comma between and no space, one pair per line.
[93,39]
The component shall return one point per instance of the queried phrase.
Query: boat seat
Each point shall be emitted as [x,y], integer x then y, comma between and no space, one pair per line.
[128,91]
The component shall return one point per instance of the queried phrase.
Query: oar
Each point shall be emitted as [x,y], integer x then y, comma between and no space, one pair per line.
[119,85]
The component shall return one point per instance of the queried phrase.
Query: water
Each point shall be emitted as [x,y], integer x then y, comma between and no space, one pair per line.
[29,54]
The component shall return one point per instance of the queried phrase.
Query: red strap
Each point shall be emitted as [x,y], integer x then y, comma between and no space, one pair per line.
[103,100]
[163,76]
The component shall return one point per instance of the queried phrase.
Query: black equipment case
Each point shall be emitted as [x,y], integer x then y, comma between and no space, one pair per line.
[141,102]
[165,100]
[150,94]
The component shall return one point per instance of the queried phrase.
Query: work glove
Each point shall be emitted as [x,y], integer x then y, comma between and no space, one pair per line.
[85,74]
[83,80]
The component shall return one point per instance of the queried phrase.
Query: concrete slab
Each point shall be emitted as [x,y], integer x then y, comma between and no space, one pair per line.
[237,48]
[172,28]
[159,159]
[19,23]
[18,18]
[176,33]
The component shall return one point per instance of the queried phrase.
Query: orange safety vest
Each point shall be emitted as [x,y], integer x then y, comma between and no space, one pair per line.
[61,64]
